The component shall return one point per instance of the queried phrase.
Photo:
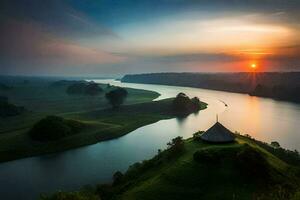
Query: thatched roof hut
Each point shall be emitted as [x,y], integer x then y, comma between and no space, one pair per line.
[218,134]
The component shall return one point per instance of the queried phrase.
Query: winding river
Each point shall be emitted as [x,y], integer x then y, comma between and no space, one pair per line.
[265,119]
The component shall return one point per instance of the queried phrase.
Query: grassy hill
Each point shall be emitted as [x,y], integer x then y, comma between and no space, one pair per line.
[240,170]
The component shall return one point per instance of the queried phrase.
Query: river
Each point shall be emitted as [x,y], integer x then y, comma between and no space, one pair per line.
[263,118]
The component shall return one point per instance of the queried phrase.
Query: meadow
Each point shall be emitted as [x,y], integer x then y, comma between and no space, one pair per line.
[41,97]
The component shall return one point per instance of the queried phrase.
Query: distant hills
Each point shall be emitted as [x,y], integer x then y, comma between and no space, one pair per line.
[277,85]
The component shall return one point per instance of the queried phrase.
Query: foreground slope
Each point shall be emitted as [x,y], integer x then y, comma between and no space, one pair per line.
[241,170]
[193,169]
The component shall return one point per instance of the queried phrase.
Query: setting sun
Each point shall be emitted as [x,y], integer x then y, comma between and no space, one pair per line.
[253,66]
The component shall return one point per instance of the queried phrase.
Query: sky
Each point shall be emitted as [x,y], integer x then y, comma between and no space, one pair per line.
[117,37]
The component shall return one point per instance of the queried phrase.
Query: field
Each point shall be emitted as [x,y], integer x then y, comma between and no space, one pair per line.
[40,99]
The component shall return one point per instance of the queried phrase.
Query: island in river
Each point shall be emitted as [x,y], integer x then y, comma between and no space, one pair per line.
[87,112]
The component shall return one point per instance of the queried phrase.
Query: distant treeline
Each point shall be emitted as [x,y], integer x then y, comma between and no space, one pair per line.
[278,85]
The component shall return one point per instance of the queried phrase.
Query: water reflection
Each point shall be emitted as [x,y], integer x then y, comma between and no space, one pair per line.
[265,119]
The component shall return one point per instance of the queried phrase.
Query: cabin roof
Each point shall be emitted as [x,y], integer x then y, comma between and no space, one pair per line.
[218,133]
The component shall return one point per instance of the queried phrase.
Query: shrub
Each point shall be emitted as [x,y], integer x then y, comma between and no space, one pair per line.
[83,88]
[117,177]
[175,146]
[116,97]
[182,104]
[54,128]
[206,156]
[7,109]
[252,163]
[5,87]
[196,136]
[275,144]
[93,89]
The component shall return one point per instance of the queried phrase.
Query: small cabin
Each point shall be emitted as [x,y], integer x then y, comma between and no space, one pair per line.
[218,134]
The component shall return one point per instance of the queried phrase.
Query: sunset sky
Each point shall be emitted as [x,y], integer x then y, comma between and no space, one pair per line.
[100,38]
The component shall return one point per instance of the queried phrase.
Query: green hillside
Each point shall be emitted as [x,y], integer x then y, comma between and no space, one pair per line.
[192,169]
[242,170]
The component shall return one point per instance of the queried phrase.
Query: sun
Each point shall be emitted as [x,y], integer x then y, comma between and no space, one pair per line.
[253,66]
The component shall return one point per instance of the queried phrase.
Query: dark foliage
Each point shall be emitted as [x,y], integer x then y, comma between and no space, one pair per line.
[275,144]
[283,86]
[117,177]
[281,92]
[63,83]
[54,128]
[196,136]
[252,163]
[83,88]
[3,99]
[7,109]
[182,104]
[116,97]
[248,160]
[175,146]
[290,157]
[5,87]
[83,194]
[106,191]
[206,156]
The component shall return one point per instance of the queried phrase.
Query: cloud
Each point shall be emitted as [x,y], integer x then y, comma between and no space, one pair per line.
[27,43]
[55,16]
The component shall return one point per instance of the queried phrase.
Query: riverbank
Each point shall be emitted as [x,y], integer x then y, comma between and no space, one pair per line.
[245,169]
[276,85]
[101,125]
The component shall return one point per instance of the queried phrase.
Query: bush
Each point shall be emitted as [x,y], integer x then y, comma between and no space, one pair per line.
[93,89]
[182,104]
[83,88]
[175,146]
[288,156]
[5,87]
[275,144]
[54,128]
[196,136]
[117,177]
[7,109]
[116,97]
[206,156]
[252,163]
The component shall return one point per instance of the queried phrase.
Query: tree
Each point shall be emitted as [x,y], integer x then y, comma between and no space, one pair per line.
[275,144]
[117,177]
[54,128]
[182,104]
[176,145]
[7,109]
[116,97]
[93,89]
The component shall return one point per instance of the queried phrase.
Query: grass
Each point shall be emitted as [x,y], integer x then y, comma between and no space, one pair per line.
[101,122]
[242,170]
[40,99]
[183,178]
